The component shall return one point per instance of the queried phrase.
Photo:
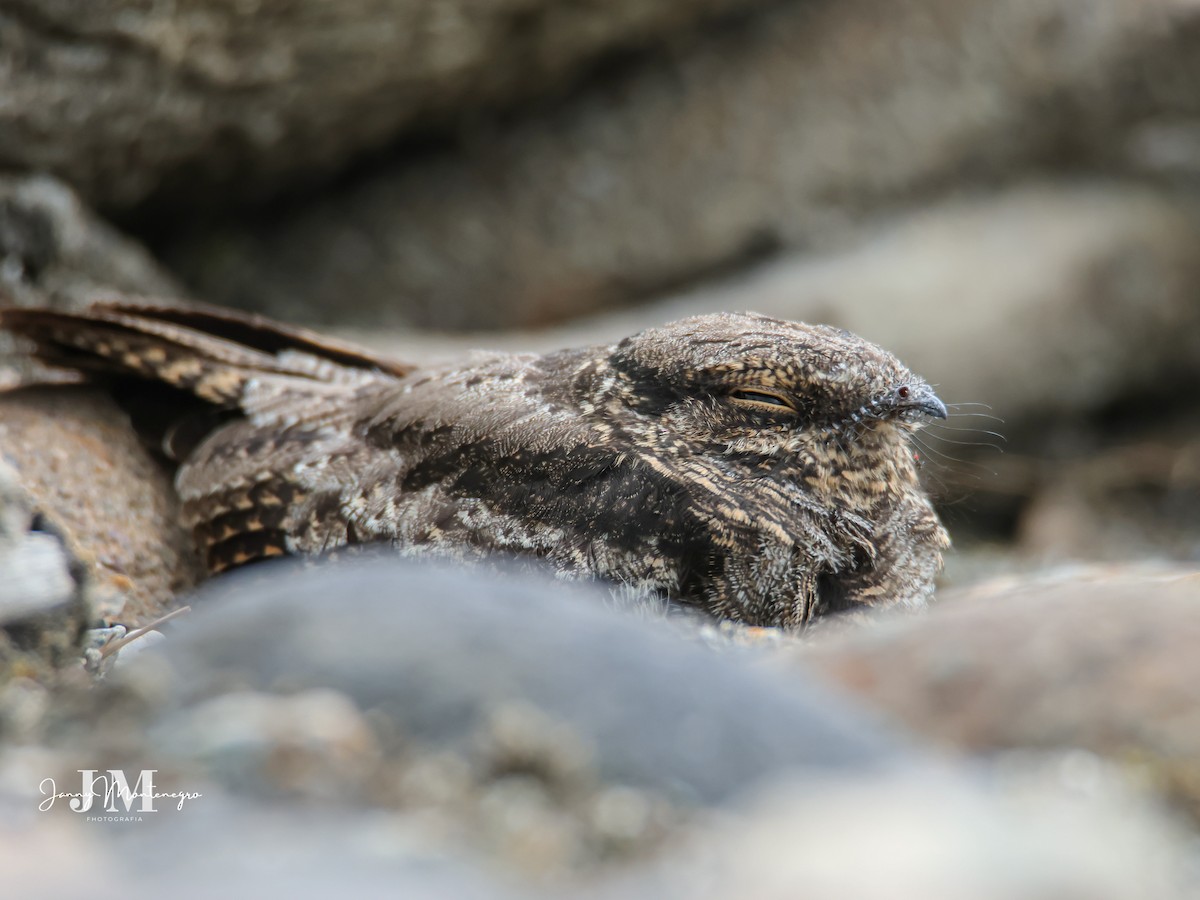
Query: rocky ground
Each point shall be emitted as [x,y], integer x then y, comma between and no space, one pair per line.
[1006,195]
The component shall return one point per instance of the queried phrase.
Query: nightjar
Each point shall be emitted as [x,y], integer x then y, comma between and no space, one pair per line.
[758,469]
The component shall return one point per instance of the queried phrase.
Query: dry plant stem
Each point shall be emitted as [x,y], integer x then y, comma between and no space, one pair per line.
[113,646]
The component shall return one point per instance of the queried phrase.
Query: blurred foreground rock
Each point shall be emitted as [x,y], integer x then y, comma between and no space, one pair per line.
[451,656]
[784,131]
[930,836]
[908,836]
[135,101]
[383,727]
[517,718]
[1096,658]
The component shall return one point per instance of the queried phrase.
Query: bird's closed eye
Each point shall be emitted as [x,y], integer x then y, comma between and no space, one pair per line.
[762,400]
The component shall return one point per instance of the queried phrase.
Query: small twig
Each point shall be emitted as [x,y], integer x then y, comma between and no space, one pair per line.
[113,646]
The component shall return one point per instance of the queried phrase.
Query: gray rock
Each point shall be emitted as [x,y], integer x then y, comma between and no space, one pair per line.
[43,603]
[127,101]
[56,251]
[1031,833]
[375,673]
[1073,280]
[443,657]
[787,130]
[36,576]
[262,851]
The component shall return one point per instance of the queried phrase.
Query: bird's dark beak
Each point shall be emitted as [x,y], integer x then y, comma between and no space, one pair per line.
[921,398]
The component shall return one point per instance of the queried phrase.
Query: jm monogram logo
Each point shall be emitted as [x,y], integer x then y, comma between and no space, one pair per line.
[111,788]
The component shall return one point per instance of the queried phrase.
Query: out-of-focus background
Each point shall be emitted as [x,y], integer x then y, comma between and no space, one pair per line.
[1004,193]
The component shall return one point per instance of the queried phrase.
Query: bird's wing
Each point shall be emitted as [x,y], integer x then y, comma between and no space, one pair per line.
[771,541]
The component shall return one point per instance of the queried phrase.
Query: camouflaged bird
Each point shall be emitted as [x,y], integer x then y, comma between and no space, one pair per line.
[756,468]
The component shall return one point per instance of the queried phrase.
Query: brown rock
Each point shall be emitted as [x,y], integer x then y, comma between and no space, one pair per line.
[1103,659]
[1133,497]
[780,132]
[77,457]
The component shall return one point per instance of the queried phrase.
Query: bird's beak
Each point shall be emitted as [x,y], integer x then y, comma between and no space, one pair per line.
[922,399]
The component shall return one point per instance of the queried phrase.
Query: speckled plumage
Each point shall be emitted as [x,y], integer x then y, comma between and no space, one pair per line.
[758,469]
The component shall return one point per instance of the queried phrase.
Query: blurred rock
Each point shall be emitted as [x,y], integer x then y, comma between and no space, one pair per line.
[927,836]
[56,252]
[1039,300]
[910,835]
[517,720]
[43,603]
[1101,658]
[381,725]
[129,101]
[1128,498]
[75,454]
[281,851]
[38,576]
[782,131]
[451,658]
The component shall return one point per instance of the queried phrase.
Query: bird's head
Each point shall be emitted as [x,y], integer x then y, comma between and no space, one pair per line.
[746,383]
